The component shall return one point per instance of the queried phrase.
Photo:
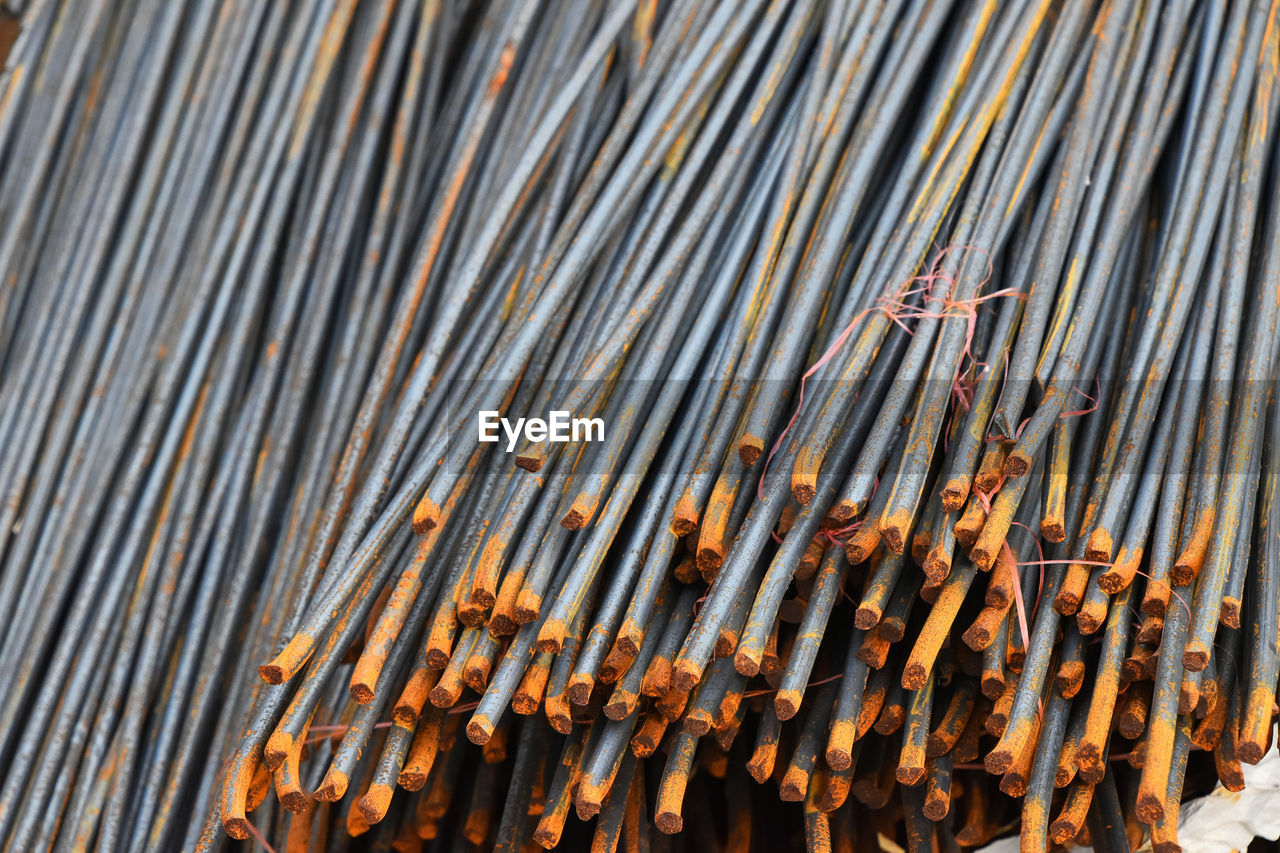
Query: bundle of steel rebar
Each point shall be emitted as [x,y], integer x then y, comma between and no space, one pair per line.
[767,423]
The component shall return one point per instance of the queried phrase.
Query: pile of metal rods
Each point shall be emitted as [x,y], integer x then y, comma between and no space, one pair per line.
[934,344]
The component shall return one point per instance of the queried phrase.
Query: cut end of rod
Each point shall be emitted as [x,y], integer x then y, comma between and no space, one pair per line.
[479,729]
[1099,547]
[441,696]
[579,689]
[697,722]
[669,823]
[914,676]
[294,800]
[620,705]
[529,462]
[412,780]
[982,556]
[528,607]
[374,804]
[426,515]
[557,708]
[629,640]
[1150,808]
[333,787]
[866,617]
[1017,464]
[804,491]
[236,827]
[954,494]
[894,527]
[547,835]
[998,761]
[361,691]
[579,514]
[1229,615]
[405,715]
[710,559]
[436,658]
[551,637]
[291,658]
[787,703]
[1090,617]
[684,519]
[1053,530]
[840,513]
[685,675]
[590,798]
[747,661]
[1196,656]
[909,774]
[277,749]
[524,704]
[977,637]
[839,758]
[794,785]
[271,673]
[760,766]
